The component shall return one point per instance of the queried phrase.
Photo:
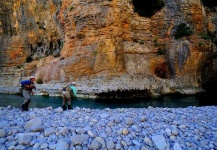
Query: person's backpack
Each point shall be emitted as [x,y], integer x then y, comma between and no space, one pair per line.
[66,88]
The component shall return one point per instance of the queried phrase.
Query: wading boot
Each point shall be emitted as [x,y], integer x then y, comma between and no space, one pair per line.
[64,107]
[69,107]
[24,107]
[27,105]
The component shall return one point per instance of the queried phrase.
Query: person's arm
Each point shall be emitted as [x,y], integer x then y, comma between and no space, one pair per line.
[32,86]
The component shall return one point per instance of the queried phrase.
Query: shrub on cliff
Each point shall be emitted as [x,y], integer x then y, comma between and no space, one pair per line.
[39,81]
[212,36]
[182,30]
[29,59]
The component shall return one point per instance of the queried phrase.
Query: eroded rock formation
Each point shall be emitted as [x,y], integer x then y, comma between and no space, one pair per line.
[104,45]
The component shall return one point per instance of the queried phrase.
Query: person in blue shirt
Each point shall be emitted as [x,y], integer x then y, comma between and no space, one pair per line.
[27,86]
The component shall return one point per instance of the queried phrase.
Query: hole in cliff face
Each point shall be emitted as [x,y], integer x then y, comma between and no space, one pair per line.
[51,45]
[215,42]
[147,8]
[209,76]
[209,3]
[123,94]
[59,43]
[39,44]
[162,71]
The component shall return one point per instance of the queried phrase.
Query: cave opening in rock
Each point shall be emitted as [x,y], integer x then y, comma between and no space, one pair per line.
[147,8]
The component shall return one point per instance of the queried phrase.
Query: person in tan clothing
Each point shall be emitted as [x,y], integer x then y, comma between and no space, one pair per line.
[66,98]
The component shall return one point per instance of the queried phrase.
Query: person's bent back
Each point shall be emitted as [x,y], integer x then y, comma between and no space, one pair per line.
[27,86]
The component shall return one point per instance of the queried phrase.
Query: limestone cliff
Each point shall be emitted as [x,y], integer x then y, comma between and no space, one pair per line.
[105,45]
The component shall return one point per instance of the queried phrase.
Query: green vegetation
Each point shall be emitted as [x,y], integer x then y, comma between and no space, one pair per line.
[39,81]
[141,42]
[71,8]
[161,51]
[29,59]
[155,40]
[209,36]
[95,53]
[200,44]
[61,44]
[182,30]
[212,36]
[147,8]
[161,47]
[156,43]
[19,67]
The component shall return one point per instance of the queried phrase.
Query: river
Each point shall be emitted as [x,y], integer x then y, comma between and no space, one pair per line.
[172,101]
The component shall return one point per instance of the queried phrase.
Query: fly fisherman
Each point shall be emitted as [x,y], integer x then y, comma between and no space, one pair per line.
[66,98]
[27,86]
[68,93]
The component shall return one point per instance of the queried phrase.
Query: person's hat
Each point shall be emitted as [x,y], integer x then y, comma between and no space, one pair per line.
[32,77]
[73,83]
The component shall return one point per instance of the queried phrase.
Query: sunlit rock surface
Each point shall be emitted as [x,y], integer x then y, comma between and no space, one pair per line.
[105,45]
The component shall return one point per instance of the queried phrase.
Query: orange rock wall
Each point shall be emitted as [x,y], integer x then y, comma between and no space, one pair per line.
[106,44]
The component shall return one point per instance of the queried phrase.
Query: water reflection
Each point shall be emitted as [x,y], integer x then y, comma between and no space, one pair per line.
[173,101]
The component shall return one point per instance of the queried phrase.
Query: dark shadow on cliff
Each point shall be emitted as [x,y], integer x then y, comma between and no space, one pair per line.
[210,87]
[124,94]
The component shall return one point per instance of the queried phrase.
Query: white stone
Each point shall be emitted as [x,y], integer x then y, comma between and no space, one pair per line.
[160,142]
[33,124]
[176,146]
[62,145]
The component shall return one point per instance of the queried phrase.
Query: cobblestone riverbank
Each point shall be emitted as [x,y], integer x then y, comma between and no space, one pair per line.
[191,128]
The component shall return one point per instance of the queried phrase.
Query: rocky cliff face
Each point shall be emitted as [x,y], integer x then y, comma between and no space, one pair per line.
[104,45]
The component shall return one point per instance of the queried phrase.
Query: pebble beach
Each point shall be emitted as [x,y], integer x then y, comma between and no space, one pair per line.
[191,128]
